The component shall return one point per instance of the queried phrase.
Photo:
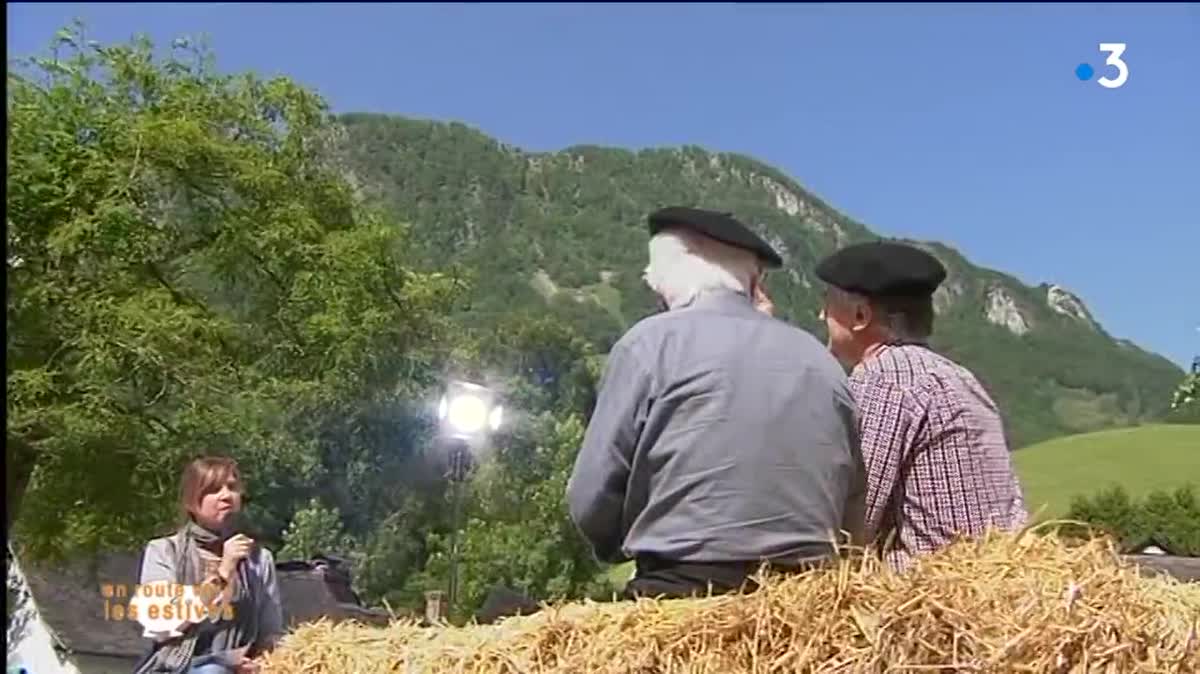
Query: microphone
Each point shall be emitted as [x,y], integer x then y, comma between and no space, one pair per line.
[244,526]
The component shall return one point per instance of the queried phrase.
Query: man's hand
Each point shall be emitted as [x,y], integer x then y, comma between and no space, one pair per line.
[234,551]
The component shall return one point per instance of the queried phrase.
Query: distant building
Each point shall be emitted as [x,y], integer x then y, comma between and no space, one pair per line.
[1150,546]
[60,623]
[1154,556]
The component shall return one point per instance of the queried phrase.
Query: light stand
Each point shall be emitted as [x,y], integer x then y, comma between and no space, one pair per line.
[468,414]
[460,468]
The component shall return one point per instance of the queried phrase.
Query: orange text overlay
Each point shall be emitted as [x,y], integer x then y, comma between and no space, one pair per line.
[161,601]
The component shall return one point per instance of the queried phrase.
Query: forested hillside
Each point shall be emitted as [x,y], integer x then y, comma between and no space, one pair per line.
[567,230]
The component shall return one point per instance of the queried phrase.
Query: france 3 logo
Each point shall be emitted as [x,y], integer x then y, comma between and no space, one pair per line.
[1085,72]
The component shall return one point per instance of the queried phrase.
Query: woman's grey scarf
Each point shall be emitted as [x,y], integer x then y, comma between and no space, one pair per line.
[175,656]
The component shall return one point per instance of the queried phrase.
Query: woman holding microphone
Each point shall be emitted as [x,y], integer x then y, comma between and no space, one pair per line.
[208,598]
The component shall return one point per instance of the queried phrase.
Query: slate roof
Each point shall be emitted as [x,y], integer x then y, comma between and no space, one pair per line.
[503,602]
[1186,569]
[69,600]
[1180,567]
[321,588]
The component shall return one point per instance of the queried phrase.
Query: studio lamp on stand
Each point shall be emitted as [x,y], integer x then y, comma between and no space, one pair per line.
[467,416]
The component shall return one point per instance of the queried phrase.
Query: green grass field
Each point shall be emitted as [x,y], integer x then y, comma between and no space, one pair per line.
[1140,459]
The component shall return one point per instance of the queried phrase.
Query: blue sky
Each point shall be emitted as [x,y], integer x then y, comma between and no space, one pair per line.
[958,123]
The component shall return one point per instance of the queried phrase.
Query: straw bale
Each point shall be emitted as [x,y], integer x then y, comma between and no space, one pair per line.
[1006,603]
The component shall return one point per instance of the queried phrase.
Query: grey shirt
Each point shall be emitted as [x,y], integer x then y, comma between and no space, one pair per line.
[719,434]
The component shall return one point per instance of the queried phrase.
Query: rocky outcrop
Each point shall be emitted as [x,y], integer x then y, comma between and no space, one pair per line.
[774,241]
[947,294]
[785,200]
[1068,304]
[1002,310]
[795,205]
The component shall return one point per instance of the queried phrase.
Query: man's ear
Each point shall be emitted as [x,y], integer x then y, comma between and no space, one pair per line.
[862,316]
[762,301]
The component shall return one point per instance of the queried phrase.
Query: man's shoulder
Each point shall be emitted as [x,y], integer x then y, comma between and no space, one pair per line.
[652,330]
[903,361]
[642,335]
[907,369]
[944,374]
[648,333]
[914,369]
[651,325]
[811,352]
[805,340]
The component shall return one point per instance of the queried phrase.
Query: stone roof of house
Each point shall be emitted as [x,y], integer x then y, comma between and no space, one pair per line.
[69,599]
[1169,562]
[1185,569]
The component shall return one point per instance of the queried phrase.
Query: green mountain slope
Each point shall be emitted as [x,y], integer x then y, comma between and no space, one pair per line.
[566,230]
[1156,456]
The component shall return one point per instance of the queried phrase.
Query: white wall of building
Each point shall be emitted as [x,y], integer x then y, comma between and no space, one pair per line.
[31,644]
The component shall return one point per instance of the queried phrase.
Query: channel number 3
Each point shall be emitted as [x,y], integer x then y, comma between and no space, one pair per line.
[1114,50]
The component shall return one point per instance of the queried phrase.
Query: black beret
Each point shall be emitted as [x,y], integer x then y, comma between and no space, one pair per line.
[881,269]
[720,226]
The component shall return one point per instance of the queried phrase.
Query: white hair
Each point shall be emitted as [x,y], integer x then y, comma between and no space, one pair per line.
[684,264]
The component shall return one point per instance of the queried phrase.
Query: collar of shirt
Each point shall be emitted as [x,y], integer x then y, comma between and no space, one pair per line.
[718,299]
[871,353]
[876,350]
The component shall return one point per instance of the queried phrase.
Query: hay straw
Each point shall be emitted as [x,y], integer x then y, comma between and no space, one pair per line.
[1026,603]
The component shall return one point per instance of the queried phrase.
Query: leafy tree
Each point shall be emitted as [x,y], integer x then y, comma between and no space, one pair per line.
[1112,511]
[314,530]
[1173,518]
[1185,404]
[392,554]
[1188,393]
[189,271]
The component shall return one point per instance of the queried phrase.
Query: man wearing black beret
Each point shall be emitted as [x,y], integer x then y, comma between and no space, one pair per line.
[933,441]
[721,438]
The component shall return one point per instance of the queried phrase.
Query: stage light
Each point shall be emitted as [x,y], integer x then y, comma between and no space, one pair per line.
[469,411]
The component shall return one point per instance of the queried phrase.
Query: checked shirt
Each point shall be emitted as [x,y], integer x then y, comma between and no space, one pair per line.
[937,458]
